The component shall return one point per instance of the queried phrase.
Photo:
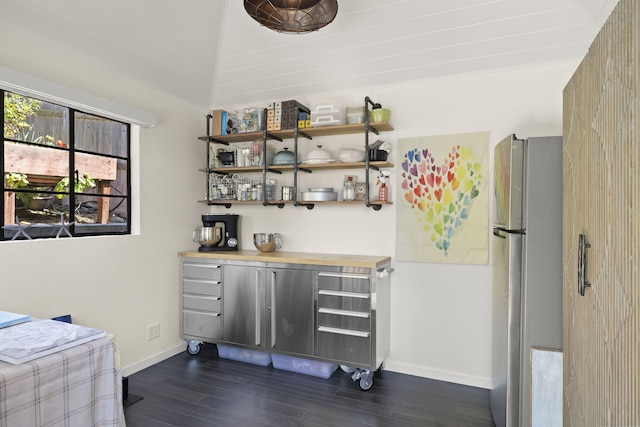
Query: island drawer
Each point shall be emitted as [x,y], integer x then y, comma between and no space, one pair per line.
[207,326]
[201,287]
[196,268]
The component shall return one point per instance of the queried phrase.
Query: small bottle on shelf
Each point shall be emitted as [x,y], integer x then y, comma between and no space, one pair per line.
[383,192]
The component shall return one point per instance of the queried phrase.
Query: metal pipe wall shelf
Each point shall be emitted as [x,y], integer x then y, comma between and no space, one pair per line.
[298,166]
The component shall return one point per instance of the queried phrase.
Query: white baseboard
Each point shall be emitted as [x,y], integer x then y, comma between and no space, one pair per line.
[438,374]
[153,359]
[402,368]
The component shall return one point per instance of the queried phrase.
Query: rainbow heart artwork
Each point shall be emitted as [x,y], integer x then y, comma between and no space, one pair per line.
[441,194]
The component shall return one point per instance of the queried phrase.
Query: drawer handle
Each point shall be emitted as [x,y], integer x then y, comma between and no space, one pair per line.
[200,296]
[344,276]
[257,310]
[273,309]
[213,266]
[344,313]
[212,282]
[208,313]
[343,332]
[343,294]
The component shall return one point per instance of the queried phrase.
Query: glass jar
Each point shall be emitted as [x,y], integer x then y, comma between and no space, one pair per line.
[349,191]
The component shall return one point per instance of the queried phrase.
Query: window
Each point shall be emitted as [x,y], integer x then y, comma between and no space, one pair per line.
[66,172]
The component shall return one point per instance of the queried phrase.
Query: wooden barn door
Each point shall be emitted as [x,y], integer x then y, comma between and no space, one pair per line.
[601,204]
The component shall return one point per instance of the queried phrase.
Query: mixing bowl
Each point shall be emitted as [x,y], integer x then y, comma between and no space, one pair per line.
[267,242]
[208,236]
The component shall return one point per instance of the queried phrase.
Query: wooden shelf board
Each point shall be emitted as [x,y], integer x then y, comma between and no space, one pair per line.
[288,134]
[342,202]
[289,202]
[221,202]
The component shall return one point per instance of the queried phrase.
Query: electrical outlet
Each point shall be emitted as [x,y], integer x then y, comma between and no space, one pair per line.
[153,331]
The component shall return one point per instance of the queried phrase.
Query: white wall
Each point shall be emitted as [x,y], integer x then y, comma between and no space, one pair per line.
[119,284]
[440,313]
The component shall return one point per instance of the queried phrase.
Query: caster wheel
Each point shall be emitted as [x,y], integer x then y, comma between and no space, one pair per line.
[193,349]
[347,369]
[366,383]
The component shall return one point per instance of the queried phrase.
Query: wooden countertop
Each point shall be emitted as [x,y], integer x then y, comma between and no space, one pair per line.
[366,261]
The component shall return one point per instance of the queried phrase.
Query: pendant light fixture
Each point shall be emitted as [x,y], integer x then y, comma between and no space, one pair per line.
[292,16]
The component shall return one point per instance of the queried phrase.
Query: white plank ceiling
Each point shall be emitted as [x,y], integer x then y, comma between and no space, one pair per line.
[212,52]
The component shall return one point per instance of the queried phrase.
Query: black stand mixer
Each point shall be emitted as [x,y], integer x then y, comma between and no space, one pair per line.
[218,233]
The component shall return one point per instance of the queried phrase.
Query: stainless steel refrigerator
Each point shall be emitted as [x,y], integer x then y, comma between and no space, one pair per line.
[527,268]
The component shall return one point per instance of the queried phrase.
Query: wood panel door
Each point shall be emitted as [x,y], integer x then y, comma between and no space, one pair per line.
[601,202]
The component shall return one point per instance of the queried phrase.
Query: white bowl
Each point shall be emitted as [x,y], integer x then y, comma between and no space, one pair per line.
[348,155]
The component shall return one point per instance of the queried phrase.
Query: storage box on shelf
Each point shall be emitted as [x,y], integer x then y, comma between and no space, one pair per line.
[282,115]
[223,123]
[327,115]
[355,115]
[234,122]
[249,120]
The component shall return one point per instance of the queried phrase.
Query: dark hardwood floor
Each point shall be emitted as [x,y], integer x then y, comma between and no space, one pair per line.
[204,390]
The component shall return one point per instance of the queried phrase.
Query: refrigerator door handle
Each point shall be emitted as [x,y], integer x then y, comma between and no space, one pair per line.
[583,283]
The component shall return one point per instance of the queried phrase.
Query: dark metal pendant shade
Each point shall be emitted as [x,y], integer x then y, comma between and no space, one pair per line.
[292,16]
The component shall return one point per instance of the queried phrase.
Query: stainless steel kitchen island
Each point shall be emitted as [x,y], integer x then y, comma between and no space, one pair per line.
[326,307]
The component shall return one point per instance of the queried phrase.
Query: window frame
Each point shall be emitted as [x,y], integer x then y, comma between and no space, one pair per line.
[74,230]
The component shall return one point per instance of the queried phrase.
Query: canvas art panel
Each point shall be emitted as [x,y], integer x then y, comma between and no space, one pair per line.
[443,199]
